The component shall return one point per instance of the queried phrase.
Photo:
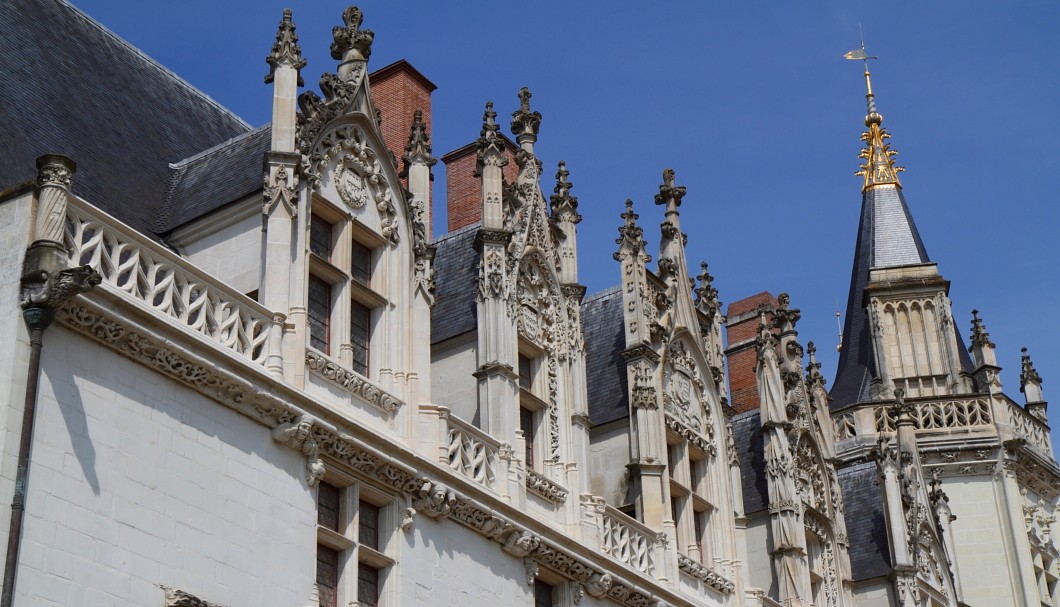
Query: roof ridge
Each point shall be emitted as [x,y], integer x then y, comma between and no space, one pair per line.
[458,232]
[602,294]
[152,62]
[190,159]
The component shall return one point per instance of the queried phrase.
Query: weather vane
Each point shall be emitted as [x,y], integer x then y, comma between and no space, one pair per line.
[860,54]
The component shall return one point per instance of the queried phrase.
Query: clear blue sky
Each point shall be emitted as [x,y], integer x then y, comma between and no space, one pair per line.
[750,103]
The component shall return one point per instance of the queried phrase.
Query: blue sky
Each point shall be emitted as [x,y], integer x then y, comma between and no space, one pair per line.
[750,103]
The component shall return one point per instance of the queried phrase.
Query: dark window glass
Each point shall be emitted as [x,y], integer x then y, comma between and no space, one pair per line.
[367,585]
[361,263]
[327,576]
[675,509]
[526,424]
[542,594]
[319,314]
[320,237]
[525,370]
[360,325]
[368,525]
[701,522]
[328,506]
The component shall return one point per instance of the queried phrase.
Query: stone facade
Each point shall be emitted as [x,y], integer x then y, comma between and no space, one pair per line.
[293,396]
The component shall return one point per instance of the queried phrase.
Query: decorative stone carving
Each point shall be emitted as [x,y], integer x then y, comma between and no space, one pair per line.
[407,520]
[285,51]
[433,499]
[564,206]
[598,584]
[50,290]
[524,122]
[179,598]
[540,485]
[521,543]
[530,565]
[352,382]
[298,435]
[351,42]
[705,574]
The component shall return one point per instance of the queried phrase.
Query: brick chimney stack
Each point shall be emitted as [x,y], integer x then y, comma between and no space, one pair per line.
[463,190]
[741,328]
[398,90]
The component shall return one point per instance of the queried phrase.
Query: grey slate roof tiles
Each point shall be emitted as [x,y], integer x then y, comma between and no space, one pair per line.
[866,528]
[75,88]
[604,367]
[747,433]
[456,276]
[211,179]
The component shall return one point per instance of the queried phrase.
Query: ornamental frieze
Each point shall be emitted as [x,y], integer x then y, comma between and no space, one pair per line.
[351,382]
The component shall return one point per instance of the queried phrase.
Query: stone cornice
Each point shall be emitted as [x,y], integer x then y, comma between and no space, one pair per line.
[138,334]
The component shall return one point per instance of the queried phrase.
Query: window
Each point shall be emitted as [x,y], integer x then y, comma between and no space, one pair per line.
[689,503]
[360,336]
[319,314]
[342,304]
[542,594]
[527,424]
[531,407]
[351,540]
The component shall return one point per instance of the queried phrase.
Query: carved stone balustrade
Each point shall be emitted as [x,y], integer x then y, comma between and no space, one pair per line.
[719,581]
[940,414]
[471,452]
[138,269]
[541,485]
[1026,426]
[628,541]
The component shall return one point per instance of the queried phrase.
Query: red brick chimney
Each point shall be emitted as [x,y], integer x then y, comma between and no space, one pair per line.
[463,190]
[741,329]
[398,90]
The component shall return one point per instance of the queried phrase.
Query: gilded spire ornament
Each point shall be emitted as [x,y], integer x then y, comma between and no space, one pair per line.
[285,51]
[879,168]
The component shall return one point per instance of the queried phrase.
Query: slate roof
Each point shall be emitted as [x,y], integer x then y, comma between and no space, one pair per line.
[224,173]
[750,445]
[72,87]
[455,276]
[887,237]
[605,370]
[866,528]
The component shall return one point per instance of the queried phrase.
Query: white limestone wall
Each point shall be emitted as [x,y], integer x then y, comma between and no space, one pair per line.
[759,569]
[443,563]
[15,228]
[880,593]
[232,254]
[982,552]
[452,383]
[608,456]
[137,481]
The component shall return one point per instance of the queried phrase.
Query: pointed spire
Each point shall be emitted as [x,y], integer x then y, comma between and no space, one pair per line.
[489,145]
[630,235]
[285,51]
[813,369]
[1030,381]
[879,168]
[980,337]
[706,295]
[418,149]
[785,318]
[351,42]
[525,124]
[669,194]
[564,206]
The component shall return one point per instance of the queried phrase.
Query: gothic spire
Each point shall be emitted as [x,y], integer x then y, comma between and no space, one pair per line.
[630,235]
[285,51]
[525,124]
[489,145]
[813,369]
[669,194]
[1030,381]
[418,148]
[979,335]
[351,42]
[564,206]
[706,295]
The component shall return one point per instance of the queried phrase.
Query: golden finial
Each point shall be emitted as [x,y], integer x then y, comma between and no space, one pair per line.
[879,168]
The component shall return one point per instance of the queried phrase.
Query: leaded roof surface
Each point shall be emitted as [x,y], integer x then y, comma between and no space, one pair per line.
[71,86]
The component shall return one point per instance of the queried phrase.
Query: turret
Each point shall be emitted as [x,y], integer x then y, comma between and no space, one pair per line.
[565,214]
